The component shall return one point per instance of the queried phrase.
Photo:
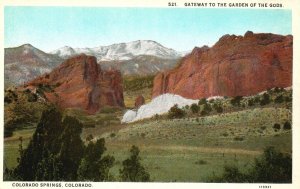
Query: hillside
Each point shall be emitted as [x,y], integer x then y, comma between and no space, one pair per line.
[26,62]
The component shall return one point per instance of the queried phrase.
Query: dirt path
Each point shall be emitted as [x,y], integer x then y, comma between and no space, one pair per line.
[181,148]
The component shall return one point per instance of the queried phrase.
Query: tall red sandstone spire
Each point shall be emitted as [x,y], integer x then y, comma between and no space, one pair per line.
[79,82]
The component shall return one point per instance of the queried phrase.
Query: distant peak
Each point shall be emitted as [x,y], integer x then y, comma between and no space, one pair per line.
[27,45]
[144,41]
[66,47]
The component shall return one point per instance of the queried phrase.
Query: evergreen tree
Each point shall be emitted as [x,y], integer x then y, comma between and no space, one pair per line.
[202,101]
[94,167]
[132,168]
[40,146]
[195,108]
[236,101]
[71,149]
[176,112]
[273,167]
[54,152]
[265,100]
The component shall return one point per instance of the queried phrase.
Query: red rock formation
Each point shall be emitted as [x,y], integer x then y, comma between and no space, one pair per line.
[235,65]
[139,101]
[79,82]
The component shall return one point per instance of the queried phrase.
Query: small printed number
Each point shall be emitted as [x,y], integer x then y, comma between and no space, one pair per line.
[171,4]
[265,186]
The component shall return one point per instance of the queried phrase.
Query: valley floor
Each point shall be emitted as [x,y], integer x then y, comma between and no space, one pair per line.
[190,149]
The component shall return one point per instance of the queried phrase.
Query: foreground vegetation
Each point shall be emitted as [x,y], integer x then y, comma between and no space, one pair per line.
[22,109]
[57,153]
[211,141]
[271,167]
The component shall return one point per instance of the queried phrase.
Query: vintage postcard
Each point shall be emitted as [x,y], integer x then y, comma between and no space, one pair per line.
[168,93]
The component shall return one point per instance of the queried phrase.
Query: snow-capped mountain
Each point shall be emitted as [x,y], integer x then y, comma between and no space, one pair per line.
[121,51]
[26,62]
[142,57]
[140,65]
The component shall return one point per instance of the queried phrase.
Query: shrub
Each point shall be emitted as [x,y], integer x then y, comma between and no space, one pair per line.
[201,162]
[276,126]
[203,113]
[278,89]
[225,134]
[250,102]
[202,101]
[287,126]
[231,174]
[218,107]
[112,135]
[8,130]
[271,167]
[89,137]
[265,99]
[279,99]
[7,100]
[132,168]
[257,99]
[32,97]
[10,96]
[94,166]
[207,108]
[288,99]
[236,101]
[263,127]
[238,138]
[176,112]
[195,108]
[143,135]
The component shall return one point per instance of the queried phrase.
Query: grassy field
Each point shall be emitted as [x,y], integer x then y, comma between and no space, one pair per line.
[188,149]
[11,146]
[194,149]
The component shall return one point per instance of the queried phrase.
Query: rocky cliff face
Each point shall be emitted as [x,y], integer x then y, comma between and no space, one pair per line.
[235,65]
[79,82]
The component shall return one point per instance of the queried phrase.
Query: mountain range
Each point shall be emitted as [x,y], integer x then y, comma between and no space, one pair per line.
[142,57]
[121,51]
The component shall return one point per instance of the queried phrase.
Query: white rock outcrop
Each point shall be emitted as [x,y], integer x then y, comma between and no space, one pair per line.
[159,105]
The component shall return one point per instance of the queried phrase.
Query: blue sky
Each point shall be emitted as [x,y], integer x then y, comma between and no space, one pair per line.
[49,28]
